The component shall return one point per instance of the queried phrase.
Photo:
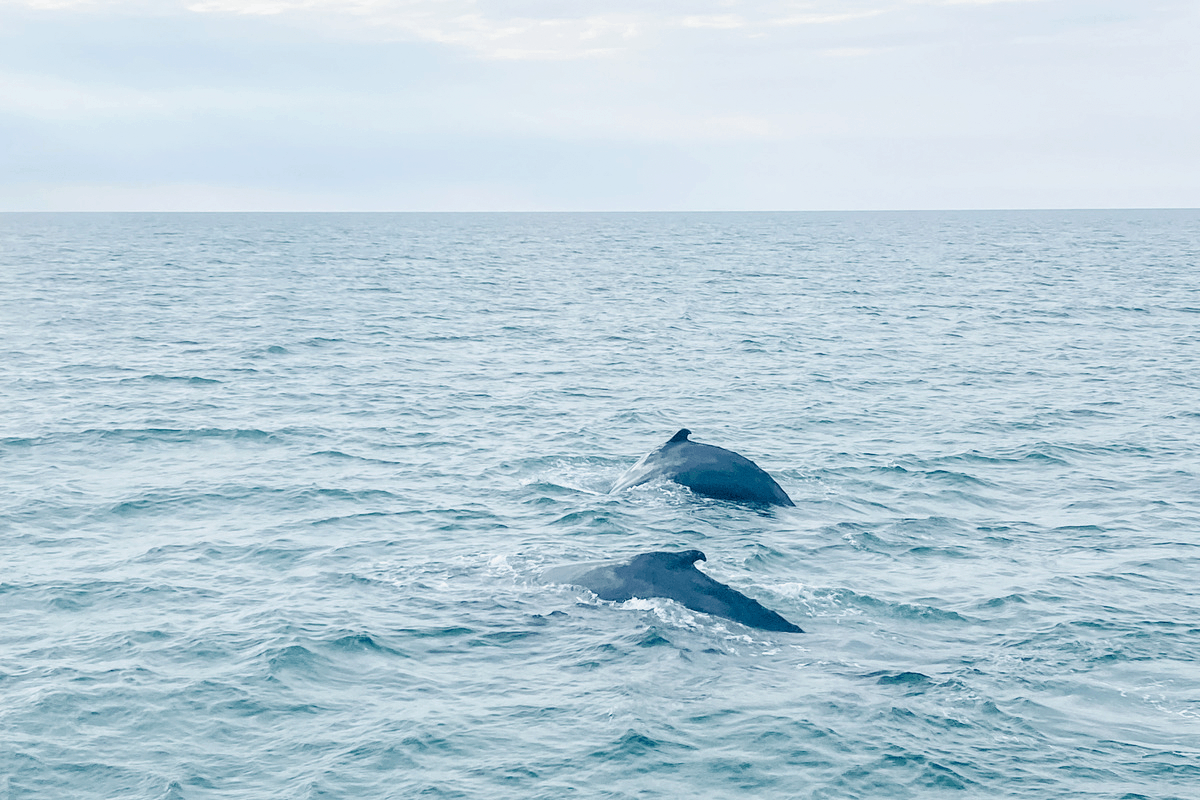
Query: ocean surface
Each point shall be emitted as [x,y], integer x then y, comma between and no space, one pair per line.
[276,492]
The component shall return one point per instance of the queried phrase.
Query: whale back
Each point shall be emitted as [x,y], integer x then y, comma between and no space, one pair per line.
[667,574]
[706,470]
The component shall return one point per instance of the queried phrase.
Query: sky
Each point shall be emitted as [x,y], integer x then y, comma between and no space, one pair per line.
[587,105]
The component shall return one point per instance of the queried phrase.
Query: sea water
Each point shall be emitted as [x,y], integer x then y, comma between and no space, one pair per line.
[276,492]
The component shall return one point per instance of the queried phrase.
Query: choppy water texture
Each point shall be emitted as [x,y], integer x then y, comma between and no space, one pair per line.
[275,492]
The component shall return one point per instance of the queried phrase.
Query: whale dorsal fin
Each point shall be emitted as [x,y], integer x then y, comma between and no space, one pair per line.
[667,560]
[681,436]
[689,558]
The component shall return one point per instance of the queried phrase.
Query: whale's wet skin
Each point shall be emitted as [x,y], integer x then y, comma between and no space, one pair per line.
[706,470]
[277,494]
[674,576]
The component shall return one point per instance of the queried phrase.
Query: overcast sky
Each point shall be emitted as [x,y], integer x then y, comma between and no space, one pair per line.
[446,105]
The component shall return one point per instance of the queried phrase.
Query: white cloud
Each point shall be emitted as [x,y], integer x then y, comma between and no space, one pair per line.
[458,23]
[826,19]
[249,8]
[501,29]
[718,21]
[523,38]
[970,2]
[848,52]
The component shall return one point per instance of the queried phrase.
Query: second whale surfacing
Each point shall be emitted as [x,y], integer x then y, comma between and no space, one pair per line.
[664,574]
[706,470]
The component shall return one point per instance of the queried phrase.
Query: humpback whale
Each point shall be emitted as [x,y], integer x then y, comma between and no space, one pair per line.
[663,574]
[705,470]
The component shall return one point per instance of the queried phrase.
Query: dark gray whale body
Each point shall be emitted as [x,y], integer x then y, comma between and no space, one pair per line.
[706,470]
[662,574]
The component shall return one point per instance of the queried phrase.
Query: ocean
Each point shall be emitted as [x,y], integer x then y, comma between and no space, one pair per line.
[277,490]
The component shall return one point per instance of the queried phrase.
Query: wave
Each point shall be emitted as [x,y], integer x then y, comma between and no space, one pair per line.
[158,378]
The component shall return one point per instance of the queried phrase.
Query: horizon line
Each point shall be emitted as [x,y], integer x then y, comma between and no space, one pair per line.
[603,211]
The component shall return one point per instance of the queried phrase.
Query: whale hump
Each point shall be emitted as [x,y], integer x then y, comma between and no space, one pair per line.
[665,560]
[672,574]
[705,470]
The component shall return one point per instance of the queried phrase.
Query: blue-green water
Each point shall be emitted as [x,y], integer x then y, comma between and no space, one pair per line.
[275,492]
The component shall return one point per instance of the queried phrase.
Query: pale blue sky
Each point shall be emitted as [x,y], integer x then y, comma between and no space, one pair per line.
[447,105]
